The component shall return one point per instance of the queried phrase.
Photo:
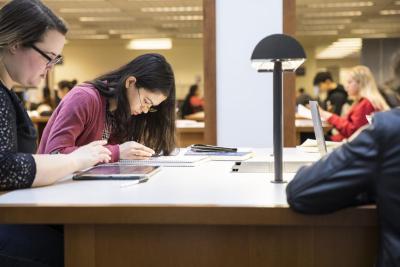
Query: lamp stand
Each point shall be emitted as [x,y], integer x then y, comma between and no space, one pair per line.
[277,122]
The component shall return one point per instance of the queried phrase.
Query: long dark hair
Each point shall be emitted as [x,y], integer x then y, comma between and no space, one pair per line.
[26,21]
[154,129]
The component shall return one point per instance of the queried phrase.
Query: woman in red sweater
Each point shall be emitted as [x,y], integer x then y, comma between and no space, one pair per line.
[132,107]
[362,88]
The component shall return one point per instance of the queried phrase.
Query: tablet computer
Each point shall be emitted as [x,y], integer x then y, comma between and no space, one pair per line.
[116,172]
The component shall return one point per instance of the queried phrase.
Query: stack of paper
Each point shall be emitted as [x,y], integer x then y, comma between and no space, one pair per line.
[168,161]
[219,155]
[311,146]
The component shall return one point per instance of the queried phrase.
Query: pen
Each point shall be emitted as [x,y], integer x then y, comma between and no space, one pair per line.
[138,181]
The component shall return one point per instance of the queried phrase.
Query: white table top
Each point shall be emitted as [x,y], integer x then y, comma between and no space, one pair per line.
[210,184]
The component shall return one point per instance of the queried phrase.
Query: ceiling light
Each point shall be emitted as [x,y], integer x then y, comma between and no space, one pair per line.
[363,31]
[389,12]
[90,10]
[132,31]
[341,4]
[172,9]
[325,21]
[189,35]
[105,19]
[344,47]
[321,27]
[189,17]
[155,35]
[317,33]
[333,14]
[150,44]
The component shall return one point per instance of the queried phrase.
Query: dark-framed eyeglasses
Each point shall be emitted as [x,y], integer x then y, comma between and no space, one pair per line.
[51,61]
[150,107]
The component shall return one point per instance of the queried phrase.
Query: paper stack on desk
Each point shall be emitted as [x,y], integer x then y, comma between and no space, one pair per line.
[168,161]
[311,146]
[234,156]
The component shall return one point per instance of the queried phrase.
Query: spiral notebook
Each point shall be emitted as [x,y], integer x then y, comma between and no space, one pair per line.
[168,161]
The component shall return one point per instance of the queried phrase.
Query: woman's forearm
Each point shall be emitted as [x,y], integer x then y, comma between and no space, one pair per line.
[50,168]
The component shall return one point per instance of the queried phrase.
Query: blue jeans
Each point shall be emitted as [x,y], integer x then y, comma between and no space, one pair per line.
[31,245]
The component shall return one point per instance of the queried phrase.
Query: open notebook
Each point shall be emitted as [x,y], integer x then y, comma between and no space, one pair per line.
[168,161]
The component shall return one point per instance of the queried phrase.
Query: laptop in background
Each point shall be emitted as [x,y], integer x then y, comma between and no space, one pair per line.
[317,124]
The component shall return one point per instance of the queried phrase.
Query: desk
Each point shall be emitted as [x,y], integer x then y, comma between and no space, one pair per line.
[189,133]
[193,216]
[198,116]
[306,126]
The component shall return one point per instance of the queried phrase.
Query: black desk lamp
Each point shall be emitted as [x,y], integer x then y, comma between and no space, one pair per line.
[277,53]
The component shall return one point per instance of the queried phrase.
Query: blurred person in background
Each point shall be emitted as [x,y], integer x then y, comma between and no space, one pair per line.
[362,89]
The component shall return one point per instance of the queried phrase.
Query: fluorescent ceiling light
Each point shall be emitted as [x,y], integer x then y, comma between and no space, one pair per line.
[132,31]
[341,4]
[150,44]
[189,35]
[90,10]
[321,27]
[105,19]
[333,14]
[180,25]
[325,21]
[172,9]
[344,47]
[155,35]
[389,12]
[316,33]
[189,17]
[363,31]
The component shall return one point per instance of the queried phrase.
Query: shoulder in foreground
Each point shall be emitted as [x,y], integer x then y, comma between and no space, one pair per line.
[388,119]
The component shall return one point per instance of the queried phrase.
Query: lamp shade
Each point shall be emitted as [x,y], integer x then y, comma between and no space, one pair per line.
[278,47]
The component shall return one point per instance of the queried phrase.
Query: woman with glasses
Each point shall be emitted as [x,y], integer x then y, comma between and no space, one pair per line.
[133,108]
[31,40]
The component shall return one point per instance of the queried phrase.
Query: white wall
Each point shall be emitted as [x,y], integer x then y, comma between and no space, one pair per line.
[244,97]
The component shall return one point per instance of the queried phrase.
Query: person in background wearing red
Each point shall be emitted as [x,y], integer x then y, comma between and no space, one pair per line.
[193,102]
[362,89]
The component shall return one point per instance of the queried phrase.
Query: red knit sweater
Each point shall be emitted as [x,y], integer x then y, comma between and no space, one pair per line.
[77,121]
[355,119]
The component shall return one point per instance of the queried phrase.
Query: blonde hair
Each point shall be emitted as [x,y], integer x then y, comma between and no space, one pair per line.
[368,89]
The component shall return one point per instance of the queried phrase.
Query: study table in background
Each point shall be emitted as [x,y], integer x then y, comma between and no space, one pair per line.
[193,216]
[306,126]
[188,131]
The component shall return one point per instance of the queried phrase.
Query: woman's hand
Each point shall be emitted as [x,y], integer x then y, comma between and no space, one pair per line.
[91,154]
[134,150]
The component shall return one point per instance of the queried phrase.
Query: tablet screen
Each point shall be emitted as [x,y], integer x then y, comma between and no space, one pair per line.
[115,171]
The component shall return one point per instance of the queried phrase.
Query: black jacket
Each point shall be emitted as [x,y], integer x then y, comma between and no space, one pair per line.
[336,98]
[363,171]
[17,137]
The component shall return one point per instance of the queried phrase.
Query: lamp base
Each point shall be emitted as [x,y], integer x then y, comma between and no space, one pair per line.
[279,182]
